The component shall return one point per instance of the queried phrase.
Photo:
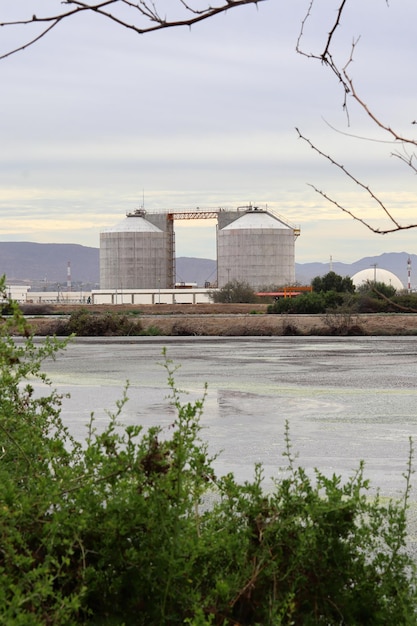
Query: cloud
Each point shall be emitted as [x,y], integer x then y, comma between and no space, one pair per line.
[94,118]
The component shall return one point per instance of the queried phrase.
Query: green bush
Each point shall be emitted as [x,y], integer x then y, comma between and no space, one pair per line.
[365,303]
[406,301]
[333,282]
[134,527]
[308,303]
[85,323]
[377,289]
[235,291]
[39,309]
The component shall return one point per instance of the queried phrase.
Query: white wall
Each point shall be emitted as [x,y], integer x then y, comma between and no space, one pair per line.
[151,296]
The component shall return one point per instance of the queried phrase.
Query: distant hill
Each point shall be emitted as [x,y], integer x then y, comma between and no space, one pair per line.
[192,270]
[44,265]
[395,262]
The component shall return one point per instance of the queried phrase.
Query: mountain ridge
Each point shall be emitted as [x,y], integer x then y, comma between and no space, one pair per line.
[46,264]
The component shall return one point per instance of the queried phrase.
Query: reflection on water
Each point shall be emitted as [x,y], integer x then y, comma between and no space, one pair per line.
[345,399]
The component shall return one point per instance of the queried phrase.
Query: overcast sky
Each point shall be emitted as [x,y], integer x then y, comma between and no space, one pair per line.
[95,121]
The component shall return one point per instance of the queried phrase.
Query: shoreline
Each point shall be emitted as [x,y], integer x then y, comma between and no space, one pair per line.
[245,320]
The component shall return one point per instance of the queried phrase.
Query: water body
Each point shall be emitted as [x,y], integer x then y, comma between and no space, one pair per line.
[345,399]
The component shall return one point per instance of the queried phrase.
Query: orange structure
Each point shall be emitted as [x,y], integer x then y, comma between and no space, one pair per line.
[287,292]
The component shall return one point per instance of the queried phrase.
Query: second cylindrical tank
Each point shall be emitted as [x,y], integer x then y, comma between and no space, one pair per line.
[257,248]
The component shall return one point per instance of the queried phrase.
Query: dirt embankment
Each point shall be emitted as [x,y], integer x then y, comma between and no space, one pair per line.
[241,320]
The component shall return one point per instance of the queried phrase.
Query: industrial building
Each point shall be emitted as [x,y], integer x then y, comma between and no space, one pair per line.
[253,245]
[151,296]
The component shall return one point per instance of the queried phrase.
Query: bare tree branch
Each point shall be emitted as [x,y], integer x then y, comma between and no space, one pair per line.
[398,137]
[326,52]
[408,159]
[396,225]
[326,58]
[144,14]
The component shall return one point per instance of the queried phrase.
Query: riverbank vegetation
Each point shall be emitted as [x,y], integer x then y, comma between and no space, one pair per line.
[336,294]
[85,323]
[234,291]
[330,309]
[134,526]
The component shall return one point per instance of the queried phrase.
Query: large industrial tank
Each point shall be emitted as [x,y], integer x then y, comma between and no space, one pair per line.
[257,248]
[136,254]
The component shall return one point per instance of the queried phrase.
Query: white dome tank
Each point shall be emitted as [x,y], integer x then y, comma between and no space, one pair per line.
[256,248]
[135,254]
[379,275]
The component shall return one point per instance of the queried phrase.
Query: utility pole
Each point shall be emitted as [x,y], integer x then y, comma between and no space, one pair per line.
[409,275]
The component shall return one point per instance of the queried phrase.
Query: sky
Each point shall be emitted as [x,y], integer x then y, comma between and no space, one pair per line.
[97,121]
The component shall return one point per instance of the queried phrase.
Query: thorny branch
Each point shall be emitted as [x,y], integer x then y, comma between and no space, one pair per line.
[141,17]
[396,226]
[326,58]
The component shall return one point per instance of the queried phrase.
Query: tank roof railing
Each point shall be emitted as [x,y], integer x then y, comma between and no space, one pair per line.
[284,220]
[250,207]
[206,213]
[136,213]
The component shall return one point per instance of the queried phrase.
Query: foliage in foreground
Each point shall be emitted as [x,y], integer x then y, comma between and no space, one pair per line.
[118,530]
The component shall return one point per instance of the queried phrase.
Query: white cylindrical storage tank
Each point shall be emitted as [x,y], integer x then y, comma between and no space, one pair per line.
[135,254]
[256,248]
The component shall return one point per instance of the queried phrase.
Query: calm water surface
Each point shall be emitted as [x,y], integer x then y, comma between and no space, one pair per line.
[345,399]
